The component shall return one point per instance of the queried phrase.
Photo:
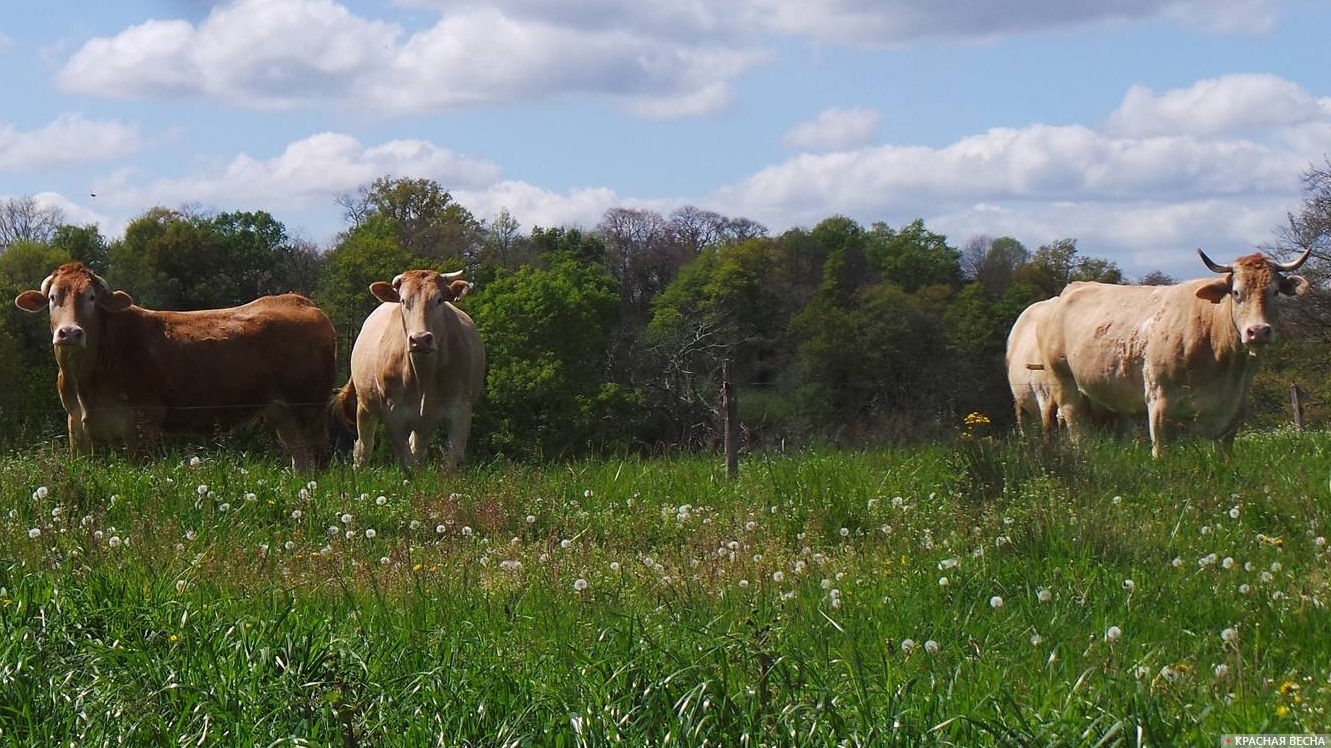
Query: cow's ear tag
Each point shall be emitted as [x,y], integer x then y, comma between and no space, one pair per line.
[1215,291]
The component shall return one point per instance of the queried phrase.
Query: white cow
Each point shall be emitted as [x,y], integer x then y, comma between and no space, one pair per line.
[417,364]
[1182,355]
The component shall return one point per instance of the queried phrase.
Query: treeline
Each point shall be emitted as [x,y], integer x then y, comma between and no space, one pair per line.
[614,337]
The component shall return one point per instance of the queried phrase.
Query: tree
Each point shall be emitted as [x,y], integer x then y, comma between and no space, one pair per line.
[643,256]
[22,218]
[26,365]
[85,244]
[183,259]
[993,262]
[547,334]
[727,305]
[1310,228]
[1055,265]
[367,254]
[425,218]
[1156,278]
[913,257]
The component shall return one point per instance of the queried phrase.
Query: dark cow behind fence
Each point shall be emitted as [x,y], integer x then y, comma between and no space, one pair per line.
[129,374]
[417,364]
[1183,355]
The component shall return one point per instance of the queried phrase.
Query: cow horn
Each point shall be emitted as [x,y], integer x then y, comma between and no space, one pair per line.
[397,281]
[1212,266]
[46,284]
[453,275]
[1294,264]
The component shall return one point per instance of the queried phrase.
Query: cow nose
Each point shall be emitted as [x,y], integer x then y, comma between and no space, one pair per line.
[68,335]
[422,342]
[1259,333]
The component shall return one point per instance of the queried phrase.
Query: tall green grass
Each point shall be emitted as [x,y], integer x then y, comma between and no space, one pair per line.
[987,592]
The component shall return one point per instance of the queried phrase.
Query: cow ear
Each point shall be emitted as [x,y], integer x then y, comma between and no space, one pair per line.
[1215,291]
[31,301]
[457,289]
[1293,285]
[118,301]
[384,292]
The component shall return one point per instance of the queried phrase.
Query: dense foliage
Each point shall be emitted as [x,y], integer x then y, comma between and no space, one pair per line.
[619,338]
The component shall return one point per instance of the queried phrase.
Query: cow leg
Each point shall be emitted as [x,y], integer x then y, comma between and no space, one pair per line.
[296,436]
[366,423]
[1156,407]
[399,434]
[459,428]
[80,441]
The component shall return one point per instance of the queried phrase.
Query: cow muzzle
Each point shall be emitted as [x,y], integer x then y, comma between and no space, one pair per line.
[420,343]
[1258,334]
[69,335]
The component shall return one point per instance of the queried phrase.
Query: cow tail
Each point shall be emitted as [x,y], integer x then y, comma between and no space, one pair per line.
[342,416]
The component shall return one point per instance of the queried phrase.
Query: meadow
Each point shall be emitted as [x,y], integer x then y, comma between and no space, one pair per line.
[982,592]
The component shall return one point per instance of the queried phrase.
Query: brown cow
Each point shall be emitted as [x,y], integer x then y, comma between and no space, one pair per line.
[1181,355]
[418,363]
[129,374]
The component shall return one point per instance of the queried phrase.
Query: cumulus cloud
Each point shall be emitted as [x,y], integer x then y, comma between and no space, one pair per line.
[309,173]
[1164,180]
[834,129]
[289,53]
[1231,104]
[68,141]
[898,22]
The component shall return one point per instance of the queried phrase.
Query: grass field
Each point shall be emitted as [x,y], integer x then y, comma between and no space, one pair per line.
[980,593]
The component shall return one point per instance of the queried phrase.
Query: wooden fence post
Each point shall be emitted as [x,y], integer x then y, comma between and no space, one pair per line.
[730,421]
[1296,405]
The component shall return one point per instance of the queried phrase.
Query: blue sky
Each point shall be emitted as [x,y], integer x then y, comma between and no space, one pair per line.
[1141,128]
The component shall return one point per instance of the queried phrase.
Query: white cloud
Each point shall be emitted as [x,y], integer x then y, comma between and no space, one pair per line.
[899,22]
[307,175]
[69,140]
[288,53]
[834,129]
[1231,104]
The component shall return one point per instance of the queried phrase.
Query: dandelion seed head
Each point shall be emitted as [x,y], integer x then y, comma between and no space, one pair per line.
[1043,595]
[381,500]
[907,646]
[1229,635]
[35,532]
[579,584]
[370,533]
[1113,633]
[995,602]
[1129,585]
[931,646]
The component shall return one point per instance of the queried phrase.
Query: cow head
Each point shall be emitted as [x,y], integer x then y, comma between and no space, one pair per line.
[75,296]
[423,295]
[1251,284]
